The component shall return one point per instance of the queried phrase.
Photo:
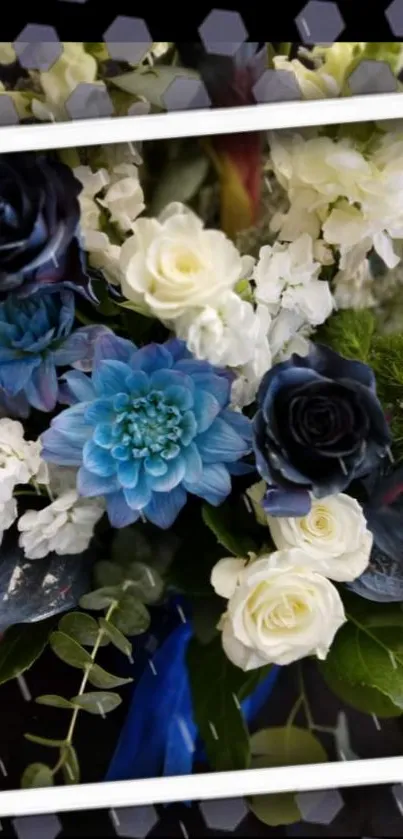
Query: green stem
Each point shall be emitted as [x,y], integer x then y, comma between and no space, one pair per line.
[305,701]
[294,711]
[69,737]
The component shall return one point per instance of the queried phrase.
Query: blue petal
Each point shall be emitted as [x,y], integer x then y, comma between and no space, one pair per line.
[79,347]
[177,348]
[79,385]
[180,397]
[219,387]
[72,423]
[188,426]
[191,366]
[103,435]
[287,503]
[151,358]
[119,513]
[98,460]
[138,383]
[100,411]
[140,495]
[214,485]
[42,388]
[155,465]
[206,409]
[163,379]
[221,442]
[326,361]
[287,378]
[241,424]
[60,449]
[193,463]
[110,347]
[165,507]
[15,375]
[173,476]
[128,473]
[110,377]
[93,486]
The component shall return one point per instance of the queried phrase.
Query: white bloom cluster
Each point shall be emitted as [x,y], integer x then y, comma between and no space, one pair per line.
[349,194]
[20,463]
[283,606]
[65,526]
[75,66]
[118,192]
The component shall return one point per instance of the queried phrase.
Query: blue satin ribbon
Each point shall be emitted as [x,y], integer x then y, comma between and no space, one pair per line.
[159,736]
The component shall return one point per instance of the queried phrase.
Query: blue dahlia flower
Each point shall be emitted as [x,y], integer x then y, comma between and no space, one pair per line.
[149,426]
[36,337]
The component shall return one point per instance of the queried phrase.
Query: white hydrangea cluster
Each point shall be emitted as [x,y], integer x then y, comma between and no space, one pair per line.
[20,463]
[348,193]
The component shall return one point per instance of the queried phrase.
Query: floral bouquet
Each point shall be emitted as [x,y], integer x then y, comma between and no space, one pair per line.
[200,433]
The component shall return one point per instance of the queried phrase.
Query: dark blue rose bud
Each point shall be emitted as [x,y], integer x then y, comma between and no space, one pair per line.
[382,582]
[39,219]
[319,425]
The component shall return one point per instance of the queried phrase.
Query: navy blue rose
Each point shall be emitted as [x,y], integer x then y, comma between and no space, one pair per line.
[319,425]
[39,218]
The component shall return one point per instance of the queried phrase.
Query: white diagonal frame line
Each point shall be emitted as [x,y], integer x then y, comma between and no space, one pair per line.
[200,123]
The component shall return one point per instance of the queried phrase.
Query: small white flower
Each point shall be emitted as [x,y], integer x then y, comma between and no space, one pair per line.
[279,609]
[20,459]
[8,515]
[65,526]
[124,199]
[172,264]
[334,535]
[74,66]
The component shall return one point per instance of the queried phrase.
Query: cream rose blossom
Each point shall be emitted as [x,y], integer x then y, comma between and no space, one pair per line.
[172,264]
[334,536]
[279,609]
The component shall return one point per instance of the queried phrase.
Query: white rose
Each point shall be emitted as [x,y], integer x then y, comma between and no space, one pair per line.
[334,536]
[279,610]
[172,263]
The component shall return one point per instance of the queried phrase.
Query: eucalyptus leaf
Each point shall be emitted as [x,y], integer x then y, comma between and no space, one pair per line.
[81,627]
[21,646]
[100,599]
[71,766]
[54,701]
[99,703]
[365,663]
[69,650]
[44,741]
[152,83]
[116,637]
[282,746]
[131,616]
[32,591]
[99,678]
[108,573]
[37,775]
[180,180]
[145,582]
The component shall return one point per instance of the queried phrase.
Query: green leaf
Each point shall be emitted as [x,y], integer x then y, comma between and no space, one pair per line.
[99,678]
[131,616]
[365,662]
[145,583]
[100,599]
[282,746]
[116,637]
[108,574]
[44,741]
[152,83]
[350,333]
[97,703]
[180,180]
[69,650]
[53,701]
[222,521]
[71,766]
[215,685]
[21,646]
[82,628]
[37,775]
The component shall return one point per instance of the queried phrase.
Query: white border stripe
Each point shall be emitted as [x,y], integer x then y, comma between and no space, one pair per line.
[95,132]
[197,124]
[202,787]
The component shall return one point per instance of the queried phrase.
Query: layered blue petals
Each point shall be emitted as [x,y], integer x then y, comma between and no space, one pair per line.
[35,338]
[152,425]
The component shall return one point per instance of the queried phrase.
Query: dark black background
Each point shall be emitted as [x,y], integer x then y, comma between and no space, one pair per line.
[265,21]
